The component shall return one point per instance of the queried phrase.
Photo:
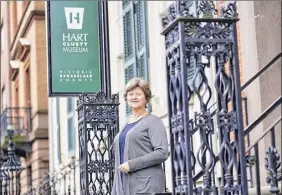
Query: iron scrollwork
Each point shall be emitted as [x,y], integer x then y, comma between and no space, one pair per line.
[229,11]
[60,182]
[206,9]
[205,40]
[208,30]
[205,154]
[12,166]
[185,8]
[98,124]
[172,37]
[170,15]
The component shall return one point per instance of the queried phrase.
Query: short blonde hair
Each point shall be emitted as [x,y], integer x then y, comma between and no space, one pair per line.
[142,84]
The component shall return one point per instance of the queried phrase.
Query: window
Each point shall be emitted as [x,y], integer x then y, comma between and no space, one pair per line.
[17,96]
[3,99]
[13,17]
[135,40]
[70,118]
[29,176]
[27,85]
[2,38]
[58,130]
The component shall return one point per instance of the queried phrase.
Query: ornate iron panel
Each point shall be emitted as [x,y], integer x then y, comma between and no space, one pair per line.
[62,182]
[13,168]
[200,36]
[97,125]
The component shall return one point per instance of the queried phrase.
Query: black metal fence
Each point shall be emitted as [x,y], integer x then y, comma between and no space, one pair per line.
[17,119]
[207,148]
[202,38]
[98,124]
[15,123]
[10,170]
[64,181]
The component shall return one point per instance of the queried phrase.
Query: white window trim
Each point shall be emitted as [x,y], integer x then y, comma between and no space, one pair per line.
[2,38]
[71,114]
[57,128]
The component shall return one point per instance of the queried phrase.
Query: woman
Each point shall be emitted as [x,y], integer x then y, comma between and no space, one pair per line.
[140,147]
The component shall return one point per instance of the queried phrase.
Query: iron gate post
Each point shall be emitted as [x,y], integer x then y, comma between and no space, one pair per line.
[239,111]
[184,116]
[98,122]
[199,39]
[97,127]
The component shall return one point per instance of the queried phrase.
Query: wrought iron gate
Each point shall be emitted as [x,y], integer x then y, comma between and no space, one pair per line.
[203,41]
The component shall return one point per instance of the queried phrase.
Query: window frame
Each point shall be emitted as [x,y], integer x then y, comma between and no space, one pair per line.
[70,116]
[2,37]
[58,130]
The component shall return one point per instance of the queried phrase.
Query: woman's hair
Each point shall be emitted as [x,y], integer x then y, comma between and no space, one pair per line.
[138,82]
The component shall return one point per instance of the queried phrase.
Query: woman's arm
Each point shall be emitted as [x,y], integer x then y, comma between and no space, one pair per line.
[158,138]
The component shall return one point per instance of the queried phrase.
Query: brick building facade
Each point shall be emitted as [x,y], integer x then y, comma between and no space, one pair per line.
[24,85]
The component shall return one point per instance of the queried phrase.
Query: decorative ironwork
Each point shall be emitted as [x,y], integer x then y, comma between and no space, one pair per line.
[97,98]
[31,191]
[45,188]
[62,182]
[206,9]
[13,168]
[208,30]
[17,119]
[170,16]
[3,176]
[12,163]
[272,164]
[98,124]
[172,37]
[203,39]
[229,11]
[185,8]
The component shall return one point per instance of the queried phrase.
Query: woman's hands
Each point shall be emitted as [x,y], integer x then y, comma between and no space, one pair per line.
[124,167]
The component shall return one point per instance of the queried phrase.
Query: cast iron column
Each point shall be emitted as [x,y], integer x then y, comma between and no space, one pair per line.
[201,39]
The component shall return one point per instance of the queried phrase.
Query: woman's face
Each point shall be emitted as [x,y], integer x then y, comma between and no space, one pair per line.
[136,98]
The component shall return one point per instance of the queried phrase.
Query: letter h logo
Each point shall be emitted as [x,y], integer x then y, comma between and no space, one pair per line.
[74,17]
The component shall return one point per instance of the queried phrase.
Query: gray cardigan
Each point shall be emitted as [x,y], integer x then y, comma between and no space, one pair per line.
[146,147]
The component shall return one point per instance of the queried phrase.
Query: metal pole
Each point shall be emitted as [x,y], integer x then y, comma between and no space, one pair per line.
[239,116]
[106,49]
[105,53]
[188,152]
